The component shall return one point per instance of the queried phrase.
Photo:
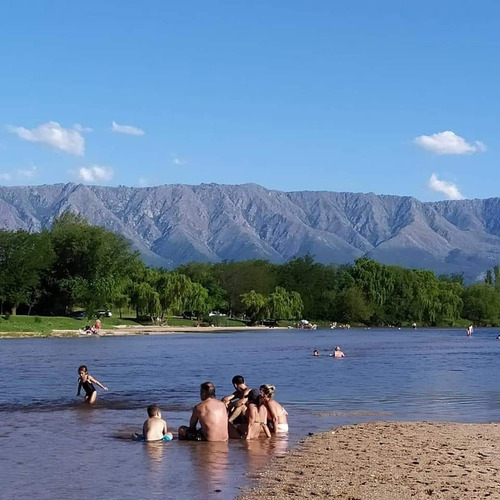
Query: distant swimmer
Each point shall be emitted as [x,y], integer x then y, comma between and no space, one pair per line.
[414,325]
[337,353]
[498,337]
[86,382]
[470,331]
[316,353]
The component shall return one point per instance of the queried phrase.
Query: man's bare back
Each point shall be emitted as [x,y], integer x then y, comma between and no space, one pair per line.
[212,415]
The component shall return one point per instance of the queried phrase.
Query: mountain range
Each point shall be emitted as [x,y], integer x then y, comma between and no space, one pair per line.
[175,224]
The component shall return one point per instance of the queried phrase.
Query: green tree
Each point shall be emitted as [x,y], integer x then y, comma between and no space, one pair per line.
[85,252]
[255,306]
[352,307]
[24,259]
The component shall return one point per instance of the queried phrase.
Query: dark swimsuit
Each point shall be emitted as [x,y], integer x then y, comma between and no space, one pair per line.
[88,387]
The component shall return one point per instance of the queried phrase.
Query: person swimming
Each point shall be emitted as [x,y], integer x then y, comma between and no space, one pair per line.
[337,353]
[315,353]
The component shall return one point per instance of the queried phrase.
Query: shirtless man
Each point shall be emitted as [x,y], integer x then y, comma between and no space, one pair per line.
[236,402]
[212,416]
[155,428]
[338,353]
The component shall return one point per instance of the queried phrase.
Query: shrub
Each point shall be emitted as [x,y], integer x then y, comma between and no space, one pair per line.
[37,319]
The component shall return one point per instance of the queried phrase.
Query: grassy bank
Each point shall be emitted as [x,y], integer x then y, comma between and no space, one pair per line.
[43,326]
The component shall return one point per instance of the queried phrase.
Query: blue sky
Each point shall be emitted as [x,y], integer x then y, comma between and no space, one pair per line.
[388,97]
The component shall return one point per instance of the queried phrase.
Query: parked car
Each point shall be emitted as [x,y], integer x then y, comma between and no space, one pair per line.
[104,312]
[216,313]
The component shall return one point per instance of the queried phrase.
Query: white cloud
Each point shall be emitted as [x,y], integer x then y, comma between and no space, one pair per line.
[21,174]
[51,133]
[449,189]
[81,128]
[126,129]
[176,160]
[94,173]
[448,143]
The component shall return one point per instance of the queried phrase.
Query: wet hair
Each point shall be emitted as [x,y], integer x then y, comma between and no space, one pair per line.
[82,368]
[337,348]
[255,397]
[238,380]
[153,410]
[208,389]
[268,390]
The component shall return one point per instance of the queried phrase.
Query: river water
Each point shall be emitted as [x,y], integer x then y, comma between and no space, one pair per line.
[53,446]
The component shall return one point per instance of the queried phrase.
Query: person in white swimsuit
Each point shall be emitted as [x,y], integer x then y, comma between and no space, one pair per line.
[277,415]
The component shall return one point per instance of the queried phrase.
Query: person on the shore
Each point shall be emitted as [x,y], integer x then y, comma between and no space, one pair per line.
[211,414]
[337,353]
[277,415]
[316,353]
[256,417]
[237,400]
[97,325]
[155,428]
[86,382]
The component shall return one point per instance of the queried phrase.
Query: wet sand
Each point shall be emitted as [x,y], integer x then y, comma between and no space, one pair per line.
[389,461]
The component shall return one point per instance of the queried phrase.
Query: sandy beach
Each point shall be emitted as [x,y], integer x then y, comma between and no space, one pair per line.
[389,461]
[162,330]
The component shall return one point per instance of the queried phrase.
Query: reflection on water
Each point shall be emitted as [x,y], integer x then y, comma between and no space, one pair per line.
[210,462]
[386,375]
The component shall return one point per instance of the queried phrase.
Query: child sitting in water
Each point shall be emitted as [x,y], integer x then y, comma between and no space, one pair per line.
[154,428]
[87,381]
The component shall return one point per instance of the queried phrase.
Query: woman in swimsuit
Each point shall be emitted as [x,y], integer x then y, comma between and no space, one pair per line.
[86,382]
[257,416]
[276,413]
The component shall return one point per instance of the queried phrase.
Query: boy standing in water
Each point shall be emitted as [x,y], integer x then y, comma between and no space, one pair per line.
[87,381]
[155,428]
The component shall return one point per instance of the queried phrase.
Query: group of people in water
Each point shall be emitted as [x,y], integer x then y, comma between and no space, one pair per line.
[337,353]
[246,413]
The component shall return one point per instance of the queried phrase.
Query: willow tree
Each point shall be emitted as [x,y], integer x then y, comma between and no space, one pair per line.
[255,306]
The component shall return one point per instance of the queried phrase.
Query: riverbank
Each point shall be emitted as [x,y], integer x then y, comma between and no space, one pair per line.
[125,330]
[389,461]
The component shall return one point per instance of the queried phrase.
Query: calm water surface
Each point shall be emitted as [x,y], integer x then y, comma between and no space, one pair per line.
[52,446]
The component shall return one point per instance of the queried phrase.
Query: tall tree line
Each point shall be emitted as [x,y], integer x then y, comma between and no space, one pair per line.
[76,265]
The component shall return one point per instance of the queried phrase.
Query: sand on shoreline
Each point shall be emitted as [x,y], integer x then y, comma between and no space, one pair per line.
[125,330]
[388,461]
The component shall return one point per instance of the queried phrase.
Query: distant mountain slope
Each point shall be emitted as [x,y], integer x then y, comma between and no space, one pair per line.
[174,224]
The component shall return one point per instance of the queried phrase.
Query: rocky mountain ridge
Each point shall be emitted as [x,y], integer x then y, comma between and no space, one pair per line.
[174,224]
